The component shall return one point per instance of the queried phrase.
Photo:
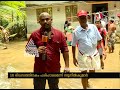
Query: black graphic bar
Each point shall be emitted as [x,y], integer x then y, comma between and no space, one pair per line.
[62,75]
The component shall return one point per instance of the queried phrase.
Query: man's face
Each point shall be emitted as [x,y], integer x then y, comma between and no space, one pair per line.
[98,24]
[82,19]
[45,21]
[97,15]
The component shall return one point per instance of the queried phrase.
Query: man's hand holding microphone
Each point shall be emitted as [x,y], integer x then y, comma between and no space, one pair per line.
[42,49]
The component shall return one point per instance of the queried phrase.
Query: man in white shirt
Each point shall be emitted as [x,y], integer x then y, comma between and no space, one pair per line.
[87,37]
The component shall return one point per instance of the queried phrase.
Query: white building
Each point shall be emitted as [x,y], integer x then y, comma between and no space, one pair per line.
[63,10]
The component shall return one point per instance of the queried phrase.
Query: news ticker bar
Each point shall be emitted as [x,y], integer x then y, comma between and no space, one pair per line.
[62,75]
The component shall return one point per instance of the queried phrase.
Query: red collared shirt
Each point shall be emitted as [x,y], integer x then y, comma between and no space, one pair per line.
[57,43]
[102,32]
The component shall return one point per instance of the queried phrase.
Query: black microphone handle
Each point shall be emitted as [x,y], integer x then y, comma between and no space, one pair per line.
[44,57]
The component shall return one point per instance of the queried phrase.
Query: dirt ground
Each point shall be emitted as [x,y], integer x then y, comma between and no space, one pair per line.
[14,59]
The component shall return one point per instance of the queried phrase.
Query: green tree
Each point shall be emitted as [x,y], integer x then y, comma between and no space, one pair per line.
[12,15]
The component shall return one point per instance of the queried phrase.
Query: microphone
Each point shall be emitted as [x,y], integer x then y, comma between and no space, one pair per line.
[44,40]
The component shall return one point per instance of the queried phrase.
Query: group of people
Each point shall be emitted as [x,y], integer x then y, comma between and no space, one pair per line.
[4,37]
[92,44]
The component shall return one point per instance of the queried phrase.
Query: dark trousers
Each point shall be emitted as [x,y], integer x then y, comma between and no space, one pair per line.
[39,83]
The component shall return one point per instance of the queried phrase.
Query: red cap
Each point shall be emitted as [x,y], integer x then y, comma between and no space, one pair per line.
[118,15]
[82,13]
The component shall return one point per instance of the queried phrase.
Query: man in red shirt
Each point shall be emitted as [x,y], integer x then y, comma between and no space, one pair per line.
[50,47]
[102,46]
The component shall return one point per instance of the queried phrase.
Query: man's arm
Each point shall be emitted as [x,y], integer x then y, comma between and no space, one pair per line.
[66,60]
[73,51]
[74,54]
[102,46]
[105,38]
[65,52]
[74,41]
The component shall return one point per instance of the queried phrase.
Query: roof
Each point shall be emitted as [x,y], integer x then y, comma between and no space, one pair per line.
[44,2]
[96,2]
[37,4]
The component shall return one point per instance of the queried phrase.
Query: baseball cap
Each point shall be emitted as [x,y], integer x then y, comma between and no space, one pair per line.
[82,13]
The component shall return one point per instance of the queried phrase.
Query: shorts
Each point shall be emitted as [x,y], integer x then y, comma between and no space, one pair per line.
[87,63]
[111,40]
[111,43]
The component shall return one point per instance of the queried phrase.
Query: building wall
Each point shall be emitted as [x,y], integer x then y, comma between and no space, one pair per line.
[111,7]
[82,6]
[114,13]
[31,20]
[58,19]
[59,16]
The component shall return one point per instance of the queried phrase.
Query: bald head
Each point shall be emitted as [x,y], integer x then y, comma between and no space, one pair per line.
[44,14]
[45,20]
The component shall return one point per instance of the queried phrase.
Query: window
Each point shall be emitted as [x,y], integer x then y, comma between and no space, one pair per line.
[40,10]
[71,13]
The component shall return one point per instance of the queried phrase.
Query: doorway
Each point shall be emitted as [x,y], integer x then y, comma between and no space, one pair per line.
[99,8]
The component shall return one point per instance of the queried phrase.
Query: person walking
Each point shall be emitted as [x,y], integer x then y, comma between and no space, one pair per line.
[48,42]
[69,30]
[65,25]
[87,36]
[102,46]
[111,35]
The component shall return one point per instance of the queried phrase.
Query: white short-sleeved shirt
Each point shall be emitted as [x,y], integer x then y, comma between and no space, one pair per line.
[87,39]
